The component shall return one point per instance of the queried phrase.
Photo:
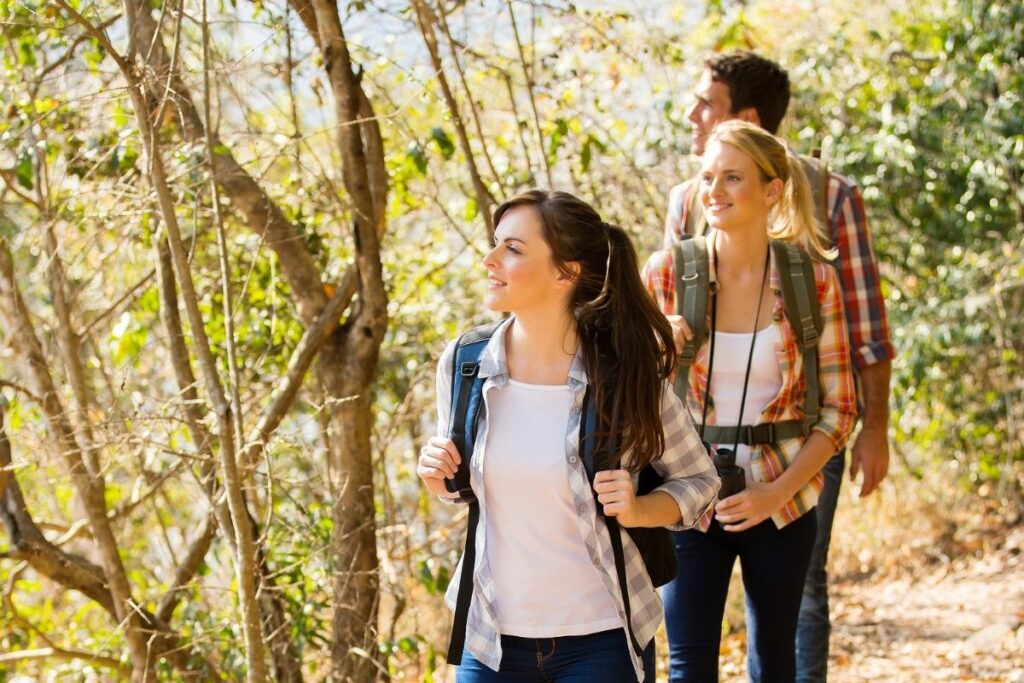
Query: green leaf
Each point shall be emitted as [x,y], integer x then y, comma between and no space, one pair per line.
[418,158]
[23,169]
[444,142]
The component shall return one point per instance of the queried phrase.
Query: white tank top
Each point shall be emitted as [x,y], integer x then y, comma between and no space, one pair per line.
[731,352]
[545,583]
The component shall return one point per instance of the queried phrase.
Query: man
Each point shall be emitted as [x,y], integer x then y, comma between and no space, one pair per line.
[744,85]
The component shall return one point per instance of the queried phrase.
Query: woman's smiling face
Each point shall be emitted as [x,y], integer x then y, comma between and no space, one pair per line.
[733,190]
[521,273]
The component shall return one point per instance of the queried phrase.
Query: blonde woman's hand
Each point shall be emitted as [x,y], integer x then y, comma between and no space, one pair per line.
[439,460]
[614,489]
[681,332]
[748,508]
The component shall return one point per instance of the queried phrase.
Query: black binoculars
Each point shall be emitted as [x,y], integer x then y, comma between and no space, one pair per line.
[732,476]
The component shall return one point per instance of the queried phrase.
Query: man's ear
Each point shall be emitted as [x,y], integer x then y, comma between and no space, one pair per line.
[750,115]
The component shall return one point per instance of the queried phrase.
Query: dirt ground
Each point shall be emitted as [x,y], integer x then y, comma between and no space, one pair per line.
[962,620]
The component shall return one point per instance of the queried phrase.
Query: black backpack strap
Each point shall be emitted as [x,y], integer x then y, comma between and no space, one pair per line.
[588,442]
[467,405]
[800,300]
[465,596]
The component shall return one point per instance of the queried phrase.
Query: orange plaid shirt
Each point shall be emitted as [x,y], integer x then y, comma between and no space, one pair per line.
[835,377]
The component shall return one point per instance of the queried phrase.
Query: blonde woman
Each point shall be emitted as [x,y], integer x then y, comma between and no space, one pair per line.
[750,372]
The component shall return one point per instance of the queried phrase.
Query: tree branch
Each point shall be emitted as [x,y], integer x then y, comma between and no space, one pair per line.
[425,18]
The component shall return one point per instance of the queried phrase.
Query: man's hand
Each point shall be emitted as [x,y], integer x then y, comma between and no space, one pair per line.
[681,332]
[870,455]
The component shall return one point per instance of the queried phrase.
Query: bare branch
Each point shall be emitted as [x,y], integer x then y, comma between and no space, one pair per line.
[21,336]
[425,18]
[189,567]
[62,653]
[529,92]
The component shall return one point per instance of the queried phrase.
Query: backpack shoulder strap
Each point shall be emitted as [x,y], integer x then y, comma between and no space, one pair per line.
[588,453]
[696,224]
[466,385]
[800,301]
[816,170]
[467,399]
[692,280]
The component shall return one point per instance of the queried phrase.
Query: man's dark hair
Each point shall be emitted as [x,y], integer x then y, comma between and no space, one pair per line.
[753,81]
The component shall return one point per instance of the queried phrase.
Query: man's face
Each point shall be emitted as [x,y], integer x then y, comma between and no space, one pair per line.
[711,106]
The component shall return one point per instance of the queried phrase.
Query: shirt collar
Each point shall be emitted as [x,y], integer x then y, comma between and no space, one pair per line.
[494,363]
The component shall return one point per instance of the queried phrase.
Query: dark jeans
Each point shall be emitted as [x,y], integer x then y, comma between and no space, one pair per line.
[774,565]
[813,627]
[595,658]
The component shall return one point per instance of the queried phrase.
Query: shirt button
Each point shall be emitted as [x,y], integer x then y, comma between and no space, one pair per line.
[572,458]
[582,509]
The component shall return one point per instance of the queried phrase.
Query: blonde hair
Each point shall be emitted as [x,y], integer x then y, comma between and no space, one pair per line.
[794,220]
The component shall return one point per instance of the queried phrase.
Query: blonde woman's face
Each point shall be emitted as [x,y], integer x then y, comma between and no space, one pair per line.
[732,191]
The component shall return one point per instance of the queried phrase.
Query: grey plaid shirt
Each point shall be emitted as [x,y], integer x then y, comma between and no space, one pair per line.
[690,480]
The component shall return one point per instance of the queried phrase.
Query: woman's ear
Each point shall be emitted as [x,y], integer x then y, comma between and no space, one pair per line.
[570,273]
[773,191]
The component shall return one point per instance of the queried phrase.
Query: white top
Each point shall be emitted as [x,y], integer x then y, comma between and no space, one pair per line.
[545,582]
[731,352]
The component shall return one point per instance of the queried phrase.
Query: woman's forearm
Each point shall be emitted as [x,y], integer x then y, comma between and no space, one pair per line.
[813,455]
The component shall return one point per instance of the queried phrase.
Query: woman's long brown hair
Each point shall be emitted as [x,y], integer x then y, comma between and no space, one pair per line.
[626,341]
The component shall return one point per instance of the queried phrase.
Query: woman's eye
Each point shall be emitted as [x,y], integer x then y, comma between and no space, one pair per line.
[734,178]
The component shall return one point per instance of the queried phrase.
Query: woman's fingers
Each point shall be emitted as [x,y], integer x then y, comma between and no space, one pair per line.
[439,459]
[614,489]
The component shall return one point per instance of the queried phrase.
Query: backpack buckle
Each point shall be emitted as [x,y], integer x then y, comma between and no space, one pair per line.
[467,369]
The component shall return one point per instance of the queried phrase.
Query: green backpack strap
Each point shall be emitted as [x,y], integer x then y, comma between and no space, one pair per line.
[696,224]
[690,261]
[800,300]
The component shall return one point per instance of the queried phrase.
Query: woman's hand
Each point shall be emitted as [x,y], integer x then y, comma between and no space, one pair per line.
[749,507]
[681,332]
[438,461]
[615,492]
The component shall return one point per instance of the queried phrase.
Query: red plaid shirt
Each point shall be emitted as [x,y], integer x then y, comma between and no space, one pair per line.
[835,377]
[858,269]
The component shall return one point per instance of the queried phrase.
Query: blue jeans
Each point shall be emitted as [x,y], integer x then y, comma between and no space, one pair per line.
[774,564]
[813,628]
[595,658]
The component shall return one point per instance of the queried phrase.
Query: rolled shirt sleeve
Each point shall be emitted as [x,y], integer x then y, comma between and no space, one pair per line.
[690,476]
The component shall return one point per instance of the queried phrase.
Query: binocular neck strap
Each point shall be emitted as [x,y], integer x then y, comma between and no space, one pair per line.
[750,356]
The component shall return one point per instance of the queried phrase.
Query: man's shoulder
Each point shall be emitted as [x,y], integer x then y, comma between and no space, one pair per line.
[681,189]
[841,182]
